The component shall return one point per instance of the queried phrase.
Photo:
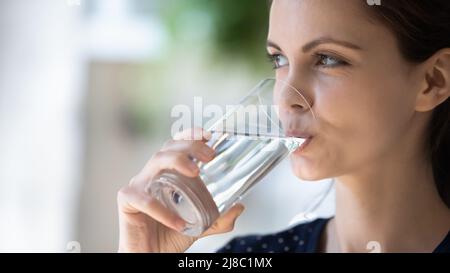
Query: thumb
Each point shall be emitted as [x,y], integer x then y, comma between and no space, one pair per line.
[225,223]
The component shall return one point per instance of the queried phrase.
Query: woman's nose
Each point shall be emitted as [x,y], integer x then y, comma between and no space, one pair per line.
[292,99]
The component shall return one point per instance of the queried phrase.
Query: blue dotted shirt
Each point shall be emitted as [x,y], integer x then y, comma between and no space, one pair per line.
[303,238]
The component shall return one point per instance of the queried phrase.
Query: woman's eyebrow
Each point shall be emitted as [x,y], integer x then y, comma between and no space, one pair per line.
[269,43]
[328,40]
[323,40]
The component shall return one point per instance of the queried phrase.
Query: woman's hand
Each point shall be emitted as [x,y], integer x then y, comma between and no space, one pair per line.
[145,224]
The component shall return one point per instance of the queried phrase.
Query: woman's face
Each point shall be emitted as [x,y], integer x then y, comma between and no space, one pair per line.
[351,71]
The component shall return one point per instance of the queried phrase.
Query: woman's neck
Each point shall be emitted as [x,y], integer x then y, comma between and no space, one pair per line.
[394,204]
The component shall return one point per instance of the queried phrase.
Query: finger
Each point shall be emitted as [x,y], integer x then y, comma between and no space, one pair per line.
[225,223]
[168,160]
[177,161]
[195,133]
[131,200]
[195,149]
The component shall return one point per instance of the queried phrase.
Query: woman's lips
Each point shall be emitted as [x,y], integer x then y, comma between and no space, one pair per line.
[303,145]
[300,134]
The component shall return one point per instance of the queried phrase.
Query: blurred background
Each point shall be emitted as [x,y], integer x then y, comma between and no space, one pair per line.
[86,92]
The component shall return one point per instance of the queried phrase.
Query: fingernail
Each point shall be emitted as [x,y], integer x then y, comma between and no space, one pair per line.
[194,168]
[207,135]
[242,209]
[180,225]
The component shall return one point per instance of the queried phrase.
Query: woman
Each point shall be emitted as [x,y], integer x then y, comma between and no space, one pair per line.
[378,80]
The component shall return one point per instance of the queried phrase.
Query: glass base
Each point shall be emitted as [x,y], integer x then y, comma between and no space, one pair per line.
[188,198]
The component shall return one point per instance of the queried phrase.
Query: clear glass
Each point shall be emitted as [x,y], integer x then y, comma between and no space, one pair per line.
[249,142]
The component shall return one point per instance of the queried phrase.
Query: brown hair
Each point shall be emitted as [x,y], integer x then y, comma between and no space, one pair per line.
[422,28]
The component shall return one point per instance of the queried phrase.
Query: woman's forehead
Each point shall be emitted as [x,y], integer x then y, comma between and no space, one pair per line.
[304,20]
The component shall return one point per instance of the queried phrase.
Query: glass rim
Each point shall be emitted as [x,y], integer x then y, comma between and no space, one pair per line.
[253,92]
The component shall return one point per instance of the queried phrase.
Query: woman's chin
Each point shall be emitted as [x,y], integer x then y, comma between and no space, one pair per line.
[305,169]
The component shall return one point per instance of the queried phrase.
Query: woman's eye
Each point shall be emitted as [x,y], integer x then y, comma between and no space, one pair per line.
[277,60]
[329,61]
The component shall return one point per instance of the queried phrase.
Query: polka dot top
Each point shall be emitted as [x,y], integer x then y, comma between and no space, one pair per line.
[303,238]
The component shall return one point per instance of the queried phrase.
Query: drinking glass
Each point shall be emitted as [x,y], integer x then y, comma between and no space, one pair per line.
[249,141]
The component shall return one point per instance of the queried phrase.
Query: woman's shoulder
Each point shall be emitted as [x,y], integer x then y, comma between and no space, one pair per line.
[300,238]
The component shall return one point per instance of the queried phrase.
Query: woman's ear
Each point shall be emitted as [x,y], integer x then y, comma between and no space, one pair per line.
[436,82]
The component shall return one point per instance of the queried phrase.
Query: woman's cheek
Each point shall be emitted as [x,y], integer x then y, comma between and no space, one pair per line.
[346,127]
